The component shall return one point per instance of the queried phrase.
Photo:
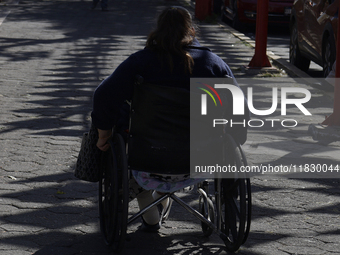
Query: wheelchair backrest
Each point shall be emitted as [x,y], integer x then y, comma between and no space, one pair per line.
[159,140]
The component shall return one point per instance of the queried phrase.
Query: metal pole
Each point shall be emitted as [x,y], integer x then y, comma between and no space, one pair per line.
[260,58]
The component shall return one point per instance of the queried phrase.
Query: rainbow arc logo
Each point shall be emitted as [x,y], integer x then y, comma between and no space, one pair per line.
[204,97]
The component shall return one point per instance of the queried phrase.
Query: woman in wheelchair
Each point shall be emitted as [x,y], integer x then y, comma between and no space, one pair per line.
[171,57]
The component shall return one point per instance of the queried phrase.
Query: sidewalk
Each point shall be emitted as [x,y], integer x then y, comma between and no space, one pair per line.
[53,55]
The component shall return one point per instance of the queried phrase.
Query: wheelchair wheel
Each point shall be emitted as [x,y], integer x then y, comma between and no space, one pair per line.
[113,194]
[234,201]
[248,210]
[244,162]
[233,213]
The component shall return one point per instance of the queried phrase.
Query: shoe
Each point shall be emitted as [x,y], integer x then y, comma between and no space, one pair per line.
[163,215]
[150,228]
[105,9]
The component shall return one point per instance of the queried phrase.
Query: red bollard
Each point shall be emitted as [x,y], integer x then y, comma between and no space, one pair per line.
[260,58]
[334,118]
[203,9]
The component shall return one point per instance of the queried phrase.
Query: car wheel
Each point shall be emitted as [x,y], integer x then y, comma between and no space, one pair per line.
[236,21]
[217,6]
[224,17]
[295,56]
[328,55]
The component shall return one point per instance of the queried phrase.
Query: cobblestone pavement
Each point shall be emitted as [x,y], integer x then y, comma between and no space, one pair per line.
[53,55]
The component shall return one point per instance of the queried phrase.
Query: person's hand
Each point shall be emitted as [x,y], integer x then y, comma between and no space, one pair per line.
[102,144]
[104,136]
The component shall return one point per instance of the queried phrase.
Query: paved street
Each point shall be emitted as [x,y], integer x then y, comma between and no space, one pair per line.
[53,54]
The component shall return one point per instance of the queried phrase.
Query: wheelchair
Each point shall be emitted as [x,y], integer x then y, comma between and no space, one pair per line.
[224,207]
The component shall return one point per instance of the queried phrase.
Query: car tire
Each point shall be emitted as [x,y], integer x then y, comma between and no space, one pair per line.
[224,17]
[328,55]
[236,21]
[295,56]
[217,9]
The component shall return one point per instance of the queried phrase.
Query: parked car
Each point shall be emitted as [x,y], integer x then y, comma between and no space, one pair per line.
[313,34]
[243,12]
